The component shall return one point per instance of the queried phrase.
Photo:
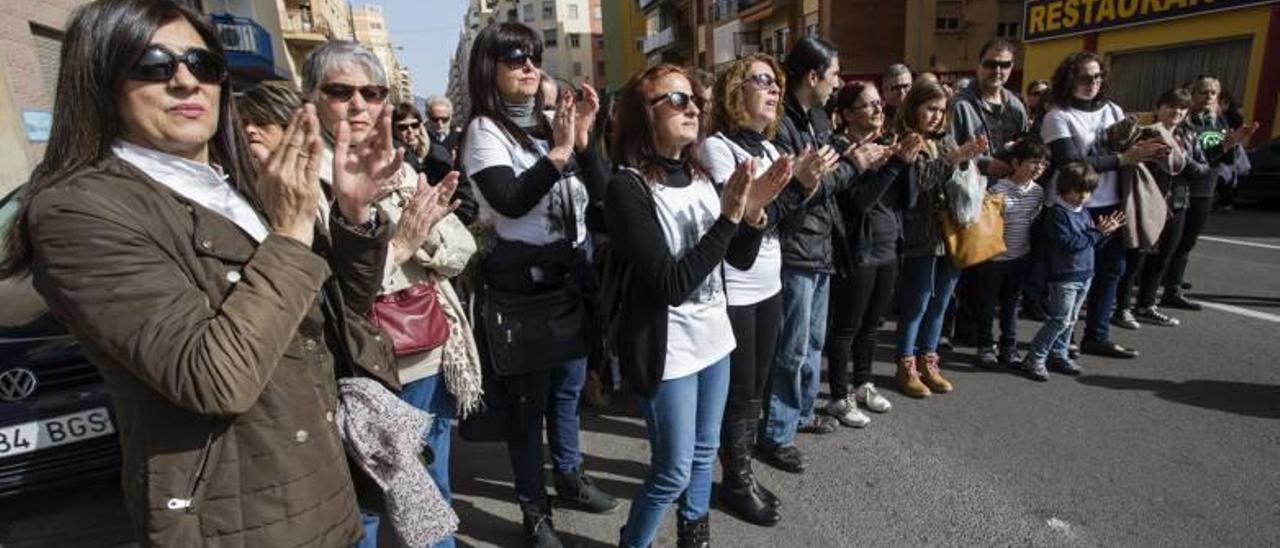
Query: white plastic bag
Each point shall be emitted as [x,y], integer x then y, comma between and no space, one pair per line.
[965,191]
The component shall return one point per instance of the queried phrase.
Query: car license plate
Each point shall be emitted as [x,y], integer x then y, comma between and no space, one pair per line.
[33,436]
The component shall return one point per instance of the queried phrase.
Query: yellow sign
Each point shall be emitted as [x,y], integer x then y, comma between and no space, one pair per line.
[1045,19]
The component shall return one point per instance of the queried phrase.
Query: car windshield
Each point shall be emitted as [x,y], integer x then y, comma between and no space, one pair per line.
[22,304]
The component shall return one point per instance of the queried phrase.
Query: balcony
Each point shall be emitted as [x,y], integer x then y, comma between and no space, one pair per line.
[301,25]
[727,9]
[248,46]
[662,39]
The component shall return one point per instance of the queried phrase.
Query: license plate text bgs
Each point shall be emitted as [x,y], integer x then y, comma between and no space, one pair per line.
[22,438]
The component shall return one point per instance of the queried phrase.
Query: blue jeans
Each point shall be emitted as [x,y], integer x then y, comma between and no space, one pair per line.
[1065,301]
[431,395]
[550,394]
[925,290]
[1108,268]
[683,422]
[797,363]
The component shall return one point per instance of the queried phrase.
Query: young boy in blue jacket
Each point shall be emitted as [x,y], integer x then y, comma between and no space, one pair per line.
[1073,235]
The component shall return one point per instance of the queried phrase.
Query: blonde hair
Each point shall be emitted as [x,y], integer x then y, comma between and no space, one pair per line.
[729,107]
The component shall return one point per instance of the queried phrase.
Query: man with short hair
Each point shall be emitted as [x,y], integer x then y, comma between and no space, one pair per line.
[985,108]
[897,83]
[440,123]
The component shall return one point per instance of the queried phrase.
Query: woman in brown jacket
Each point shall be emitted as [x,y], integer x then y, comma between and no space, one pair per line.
[208,302]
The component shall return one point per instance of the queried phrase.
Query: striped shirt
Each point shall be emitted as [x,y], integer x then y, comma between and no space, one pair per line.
[1021,204]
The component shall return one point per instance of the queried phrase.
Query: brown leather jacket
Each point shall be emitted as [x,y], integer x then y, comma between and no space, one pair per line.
[215,352]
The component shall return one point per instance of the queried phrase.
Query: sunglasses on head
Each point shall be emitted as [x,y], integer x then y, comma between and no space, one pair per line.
[762,80]
[158,64]
[517,57]
[344,92]
[403,126]
[679,100]
[992,64]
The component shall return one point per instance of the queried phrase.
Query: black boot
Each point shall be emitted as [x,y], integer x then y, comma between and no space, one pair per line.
[738,490]
[693,534]
[766,495]
[576,490]
[539,532]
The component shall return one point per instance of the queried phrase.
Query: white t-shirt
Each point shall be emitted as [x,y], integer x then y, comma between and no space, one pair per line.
[721,157]
[1085,128]
[698,331]
[487,145]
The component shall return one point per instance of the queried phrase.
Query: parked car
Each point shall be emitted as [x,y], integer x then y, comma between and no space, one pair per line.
[1262,184]
[56,421]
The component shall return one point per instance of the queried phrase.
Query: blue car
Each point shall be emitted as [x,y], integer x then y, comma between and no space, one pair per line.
[56,421]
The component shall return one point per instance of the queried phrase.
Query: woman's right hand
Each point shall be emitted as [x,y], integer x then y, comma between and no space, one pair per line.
[289,177]
[733,202]
[812,165]
[968,151]
[1145,151]
[428,205]
[909,147]
[563,130]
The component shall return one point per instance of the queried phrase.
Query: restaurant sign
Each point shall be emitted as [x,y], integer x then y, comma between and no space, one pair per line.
[1046,19]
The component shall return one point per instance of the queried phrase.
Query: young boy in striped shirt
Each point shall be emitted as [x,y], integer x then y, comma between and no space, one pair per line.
[1000,279]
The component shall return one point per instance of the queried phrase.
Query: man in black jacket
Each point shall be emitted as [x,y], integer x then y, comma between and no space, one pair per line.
[813,74]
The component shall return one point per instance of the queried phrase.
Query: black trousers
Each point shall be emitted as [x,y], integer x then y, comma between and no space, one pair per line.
[1134,261]
[857,303]
[756,328]
[1151,268]
[999,284]
[1196,216]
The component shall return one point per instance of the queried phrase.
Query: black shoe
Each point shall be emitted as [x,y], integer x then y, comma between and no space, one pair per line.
[1108,349]
[766,495]
[945,345]
[576,490]
[1177,300]
[1010,358]
[821,425]
[1123,317]
[738,494]
[539,532]
[693,534]
[1066,367]
[786,458]
[1185,286]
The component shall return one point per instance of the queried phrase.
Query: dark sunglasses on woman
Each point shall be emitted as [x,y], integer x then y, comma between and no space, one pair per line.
[763,80]
[344,92]
[158,64]
[517,57]
[679,100]
[405,126]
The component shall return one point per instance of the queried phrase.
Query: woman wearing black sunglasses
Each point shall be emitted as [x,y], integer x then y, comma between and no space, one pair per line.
[533,174]
[672,234]
[199,290]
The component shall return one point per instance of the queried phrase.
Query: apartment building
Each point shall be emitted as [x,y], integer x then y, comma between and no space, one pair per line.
[370,28]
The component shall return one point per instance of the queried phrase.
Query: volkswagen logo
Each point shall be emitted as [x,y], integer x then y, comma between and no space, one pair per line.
[17,383]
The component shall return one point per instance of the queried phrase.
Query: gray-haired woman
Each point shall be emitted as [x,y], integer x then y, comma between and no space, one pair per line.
[348,85]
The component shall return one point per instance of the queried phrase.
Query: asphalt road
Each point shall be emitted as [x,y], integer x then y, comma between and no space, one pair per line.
[1177,448]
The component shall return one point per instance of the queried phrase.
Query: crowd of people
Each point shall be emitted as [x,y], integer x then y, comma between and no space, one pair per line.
[297,293]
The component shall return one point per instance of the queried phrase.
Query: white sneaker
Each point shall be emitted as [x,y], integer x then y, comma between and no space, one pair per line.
[868,396]
[846,411]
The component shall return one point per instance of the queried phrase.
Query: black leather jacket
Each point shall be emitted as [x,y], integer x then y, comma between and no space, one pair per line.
[807,235]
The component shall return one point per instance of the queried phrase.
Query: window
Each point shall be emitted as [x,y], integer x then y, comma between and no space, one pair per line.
[528,12]
[1008,30]
[375,25]
[49,54]
[599,41]
[577,68]
[781,37]
[548,9]
[574,41]
[549,38]
[949,15]
[1141,76]
[573,12]
[768,45]
[596,13]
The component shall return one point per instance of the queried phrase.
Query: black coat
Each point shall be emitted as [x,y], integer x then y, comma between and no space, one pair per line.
[808,235]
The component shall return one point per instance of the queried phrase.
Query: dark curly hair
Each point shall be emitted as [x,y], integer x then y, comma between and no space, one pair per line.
[1064,78]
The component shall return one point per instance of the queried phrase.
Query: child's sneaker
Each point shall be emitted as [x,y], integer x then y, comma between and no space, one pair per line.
[1037,372]
[987,358]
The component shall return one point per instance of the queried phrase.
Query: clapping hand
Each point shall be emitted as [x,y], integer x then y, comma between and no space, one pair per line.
[1145,151]
[813,165]
[564,132]
[968,151]
[428,205]
[909,147]
[289,177]
[586,116]
[1240,136]
[1110,223]
[366,172]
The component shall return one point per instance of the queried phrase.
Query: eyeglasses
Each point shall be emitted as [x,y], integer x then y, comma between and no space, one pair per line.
[344,92]
[992,64]
[872,106]
[900,87]
[439,119]
[762,80]
[406,126]
[158,64]
[517,57]
[1091,78]
[679,100]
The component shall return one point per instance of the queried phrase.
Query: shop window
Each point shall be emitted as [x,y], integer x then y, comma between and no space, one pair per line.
[1138,78]
[949,15]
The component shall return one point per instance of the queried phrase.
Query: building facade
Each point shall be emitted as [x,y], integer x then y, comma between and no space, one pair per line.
[370,28]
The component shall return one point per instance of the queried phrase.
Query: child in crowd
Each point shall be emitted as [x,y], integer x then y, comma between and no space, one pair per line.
[1073,236]
[1000,279]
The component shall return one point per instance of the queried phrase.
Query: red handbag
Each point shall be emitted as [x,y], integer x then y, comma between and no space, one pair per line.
[413,318]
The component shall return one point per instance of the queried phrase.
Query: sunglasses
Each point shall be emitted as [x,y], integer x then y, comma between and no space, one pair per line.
[992,64]
[517,57]
[158,64]
[679,100]
[762,80]
[439,119]
[1091,78]
[344,92]
[408,126]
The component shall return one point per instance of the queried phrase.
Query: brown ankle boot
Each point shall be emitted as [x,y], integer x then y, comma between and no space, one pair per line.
[909,378]
[931,376]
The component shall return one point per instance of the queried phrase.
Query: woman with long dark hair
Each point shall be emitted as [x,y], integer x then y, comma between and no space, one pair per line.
[1079,111]
[928,277]
[672,233]
[208,303]
[533,176]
